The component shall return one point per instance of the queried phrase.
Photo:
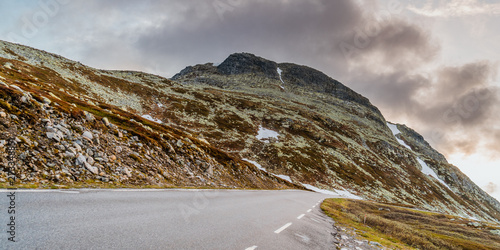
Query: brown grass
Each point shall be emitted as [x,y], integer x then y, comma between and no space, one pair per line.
[399,227]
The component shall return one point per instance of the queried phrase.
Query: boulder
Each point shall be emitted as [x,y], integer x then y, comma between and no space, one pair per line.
[80,160]
[55,135]
[105,121]
[88,135]
[93,170]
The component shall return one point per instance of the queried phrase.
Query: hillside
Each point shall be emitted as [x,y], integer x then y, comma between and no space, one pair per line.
[248,122]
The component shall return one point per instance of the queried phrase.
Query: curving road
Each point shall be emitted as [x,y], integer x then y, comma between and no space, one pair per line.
[166,219]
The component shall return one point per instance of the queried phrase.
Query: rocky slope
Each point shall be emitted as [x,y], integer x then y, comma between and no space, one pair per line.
[239,124]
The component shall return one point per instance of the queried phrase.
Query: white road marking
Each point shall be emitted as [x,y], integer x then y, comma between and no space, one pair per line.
[69,192]
[283,228]
[251,248]
[315,220]
[300,216]
[309,210]
[39,191]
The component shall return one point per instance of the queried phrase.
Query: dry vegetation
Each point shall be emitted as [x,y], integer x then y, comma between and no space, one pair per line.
[406,228]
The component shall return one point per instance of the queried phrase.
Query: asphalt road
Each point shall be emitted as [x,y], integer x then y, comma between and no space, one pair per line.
[166,219]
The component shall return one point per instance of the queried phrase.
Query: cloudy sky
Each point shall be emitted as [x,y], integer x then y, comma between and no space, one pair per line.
[432,65]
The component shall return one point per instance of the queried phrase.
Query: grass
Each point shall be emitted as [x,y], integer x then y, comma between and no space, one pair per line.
[404,228]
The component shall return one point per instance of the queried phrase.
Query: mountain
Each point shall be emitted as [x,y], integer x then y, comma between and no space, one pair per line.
[246,123]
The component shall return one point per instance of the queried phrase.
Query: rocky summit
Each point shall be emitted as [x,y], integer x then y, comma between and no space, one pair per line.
[245,123]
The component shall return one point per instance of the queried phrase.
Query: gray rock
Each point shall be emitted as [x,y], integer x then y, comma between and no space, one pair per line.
[88,116]
[24,99]
[474,224]
[93,170]
[62,129]
[77,147]
[46,100]
[126,171]
[3,114]
[55,135]
[497,232]
[180,143]
[106,122]
[69,154]
[118,149]
[90,160]
[80,160]
[103,178]
[88,135]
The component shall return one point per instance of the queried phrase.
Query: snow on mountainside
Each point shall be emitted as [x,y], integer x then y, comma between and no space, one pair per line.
[316,133]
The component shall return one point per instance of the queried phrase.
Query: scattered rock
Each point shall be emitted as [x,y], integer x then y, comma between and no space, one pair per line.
[54,96]
[92,169]
[474,224]
[77,147]
[112,158]
[497,232]
[80,160]
[90,160]
[88,135]
[3,114]
[106,122]
[69,155]
[55,135]
[126,171]
[46,100]
[24,99]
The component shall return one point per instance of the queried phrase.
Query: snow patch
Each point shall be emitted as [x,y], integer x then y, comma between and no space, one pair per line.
[279,73]
[266,134]
[284,177]
[428,171]
[395,131]
[149,117]
[337,192]
[281,79]
[255,164]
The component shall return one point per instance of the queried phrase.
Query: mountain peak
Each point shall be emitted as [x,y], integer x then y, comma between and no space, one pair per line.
[246,63]
[295,77]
